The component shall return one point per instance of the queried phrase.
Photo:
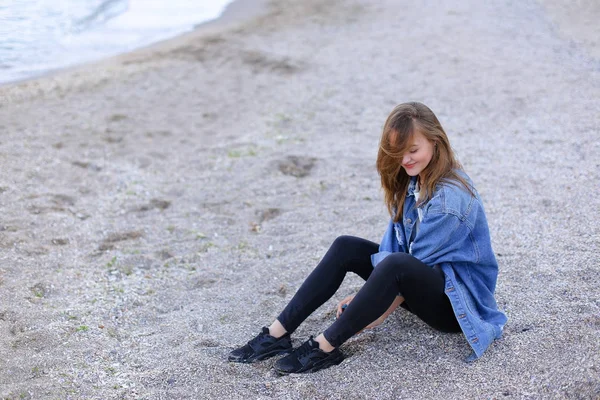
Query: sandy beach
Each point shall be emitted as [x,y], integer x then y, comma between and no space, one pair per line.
[159,207]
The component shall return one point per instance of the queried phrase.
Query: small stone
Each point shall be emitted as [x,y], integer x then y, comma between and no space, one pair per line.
[255,227]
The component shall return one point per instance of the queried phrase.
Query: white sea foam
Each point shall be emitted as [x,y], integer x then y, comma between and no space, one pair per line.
[41,35]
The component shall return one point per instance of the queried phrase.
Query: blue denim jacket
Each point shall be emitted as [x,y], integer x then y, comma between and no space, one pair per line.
[453,234]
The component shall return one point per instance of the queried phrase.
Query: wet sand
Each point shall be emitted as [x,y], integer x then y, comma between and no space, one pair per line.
[159,207]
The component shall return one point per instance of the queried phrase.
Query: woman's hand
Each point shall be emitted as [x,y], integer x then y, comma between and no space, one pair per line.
[346,301]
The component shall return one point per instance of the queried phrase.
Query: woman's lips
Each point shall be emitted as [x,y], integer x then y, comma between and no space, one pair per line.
[409,166]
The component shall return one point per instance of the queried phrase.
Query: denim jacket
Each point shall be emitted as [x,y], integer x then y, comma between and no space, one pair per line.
[453,233]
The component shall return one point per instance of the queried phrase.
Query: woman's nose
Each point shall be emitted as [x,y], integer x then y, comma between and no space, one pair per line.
[405,159]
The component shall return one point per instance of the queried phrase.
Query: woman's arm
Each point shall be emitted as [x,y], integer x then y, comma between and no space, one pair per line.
[397,301]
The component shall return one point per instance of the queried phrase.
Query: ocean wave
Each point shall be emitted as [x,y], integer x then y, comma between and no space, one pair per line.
[42,35]
[105,11]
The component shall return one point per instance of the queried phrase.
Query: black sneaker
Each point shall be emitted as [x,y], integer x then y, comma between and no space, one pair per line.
[262,347]
[308,358]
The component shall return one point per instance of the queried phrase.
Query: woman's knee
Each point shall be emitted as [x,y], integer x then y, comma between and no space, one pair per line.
[351,254]
[398,263]
[336,256]
[387,267]
[402,258]
[394,260]
[409,270]
[343,241]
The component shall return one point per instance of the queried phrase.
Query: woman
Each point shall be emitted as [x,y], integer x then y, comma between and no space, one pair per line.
[435,259]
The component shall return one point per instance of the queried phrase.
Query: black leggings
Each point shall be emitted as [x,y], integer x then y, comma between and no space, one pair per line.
[421,286]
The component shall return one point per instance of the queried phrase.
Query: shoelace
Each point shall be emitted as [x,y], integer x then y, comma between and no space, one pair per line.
[305,348]
[257,339]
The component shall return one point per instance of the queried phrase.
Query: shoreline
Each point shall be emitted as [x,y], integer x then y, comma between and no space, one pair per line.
[236,13]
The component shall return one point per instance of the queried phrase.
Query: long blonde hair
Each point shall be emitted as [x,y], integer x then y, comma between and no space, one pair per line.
[399,129]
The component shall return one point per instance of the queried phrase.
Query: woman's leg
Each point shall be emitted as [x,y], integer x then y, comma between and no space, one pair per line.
[421,286]
[346,254]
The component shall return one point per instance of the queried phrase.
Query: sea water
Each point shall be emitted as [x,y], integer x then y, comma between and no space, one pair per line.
[37,36]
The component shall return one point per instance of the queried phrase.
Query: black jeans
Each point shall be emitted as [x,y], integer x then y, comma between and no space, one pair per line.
[421,286]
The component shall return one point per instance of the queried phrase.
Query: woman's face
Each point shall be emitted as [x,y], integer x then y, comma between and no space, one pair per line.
[418,155]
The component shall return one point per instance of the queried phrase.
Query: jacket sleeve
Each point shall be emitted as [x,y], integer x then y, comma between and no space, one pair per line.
[443,237]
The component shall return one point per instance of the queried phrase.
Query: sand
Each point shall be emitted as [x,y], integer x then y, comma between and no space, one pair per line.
[159,207]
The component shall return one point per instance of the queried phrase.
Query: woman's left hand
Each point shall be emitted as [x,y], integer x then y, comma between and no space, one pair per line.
[342,303]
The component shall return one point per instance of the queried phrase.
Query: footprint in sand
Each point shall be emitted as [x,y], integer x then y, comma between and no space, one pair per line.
[298,166]
[109,242]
